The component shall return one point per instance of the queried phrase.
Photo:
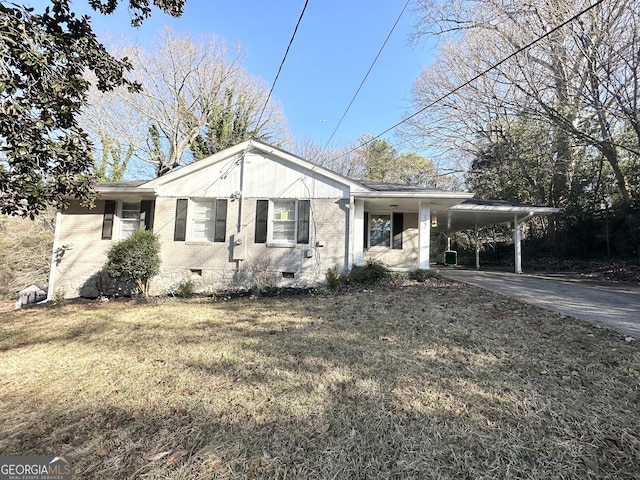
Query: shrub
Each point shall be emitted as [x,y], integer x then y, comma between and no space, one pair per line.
[422,275]
[135,259]
[372,272]
[184,289]
[334,279]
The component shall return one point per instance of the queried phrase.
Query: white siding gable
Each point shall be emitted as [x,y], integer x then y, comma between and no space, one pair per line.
[264,173]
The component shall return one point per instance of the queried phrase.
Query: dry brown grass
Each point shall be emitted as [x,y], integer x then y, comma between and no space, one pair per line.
[434,380]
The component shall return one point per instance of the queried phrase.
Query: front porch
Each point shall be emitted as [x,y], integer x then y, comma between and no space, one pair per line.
[397,227]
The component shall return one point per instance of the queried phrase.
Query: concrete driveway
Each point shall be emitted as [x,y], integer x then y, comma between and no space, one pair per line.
[611,305]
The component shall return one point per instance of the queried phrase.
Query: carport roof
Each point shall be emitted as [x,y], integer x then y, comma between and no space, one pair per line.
[450,211]
[473,213]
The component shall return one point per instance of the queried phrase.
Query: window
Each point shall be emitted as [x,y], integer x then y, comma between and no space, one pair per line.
[384,231]
[133,216]
[282,221]
[203,223]
[379,230]
[207,220]
[129,219]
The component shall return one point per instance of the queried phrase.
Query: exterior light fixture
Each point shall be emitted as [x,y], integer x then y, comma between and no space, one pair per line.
[434,220]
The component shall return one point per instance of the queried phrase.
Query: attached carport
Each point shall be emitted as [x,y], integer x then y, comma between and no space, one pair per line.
[472,214]
[438,211]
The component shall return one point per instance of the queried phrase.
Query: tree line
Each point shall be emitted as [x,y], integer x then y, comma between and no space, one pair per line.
[536,101]
[556,124]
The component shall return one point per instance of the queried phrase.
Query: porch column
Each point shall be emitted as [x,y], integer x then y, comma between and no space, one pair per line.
[424,237]
[357,238]
[517,241]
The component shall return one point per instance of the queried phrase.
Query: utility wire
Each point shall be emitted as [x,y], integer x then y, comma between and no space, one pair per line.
[367,75]
[282,63]
[481,74]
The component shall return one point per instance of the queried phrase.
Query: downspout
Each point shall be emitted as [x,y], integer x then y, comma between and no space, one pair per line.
[518,240]
[54,257]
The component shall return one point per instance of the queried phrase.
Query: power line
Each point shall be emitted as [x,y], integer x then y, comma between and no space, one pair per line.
[481,74]
[282,62]
[365,77]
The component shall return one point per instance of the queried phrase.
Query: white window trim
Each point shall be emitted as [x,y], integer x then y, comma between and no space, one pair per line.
[270,240]
[119,220]
[191,206]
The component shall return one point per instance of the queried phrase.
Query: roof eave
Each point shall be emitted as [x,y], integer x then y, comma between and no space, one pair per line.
[417,195]
[120,191]
[506,209]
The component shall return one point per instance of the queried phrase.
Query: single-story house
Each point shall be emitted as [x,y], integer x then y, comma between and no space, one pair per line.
[255,210]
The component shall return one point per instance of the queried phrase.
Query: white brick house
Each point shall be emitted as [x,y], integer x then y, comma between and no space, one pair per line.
[255,209]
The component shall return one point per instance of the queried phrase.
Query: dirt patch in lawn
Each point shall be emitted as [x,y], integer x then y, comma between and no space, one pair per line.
[431,380]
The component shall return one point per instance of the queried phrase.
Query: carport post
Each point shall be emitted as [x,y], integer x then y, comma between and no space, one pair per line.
[477,249]
[517,240]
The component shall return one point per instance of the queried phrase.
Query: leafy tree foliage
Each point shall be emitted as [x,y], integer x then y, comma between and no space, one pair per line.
[135,259]
[44,155]
[112,163]
[229,125]
[384,163]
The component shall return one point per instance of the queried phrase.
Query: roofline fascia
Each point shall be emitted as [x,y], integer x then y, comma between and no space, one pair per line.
[505,209]
[416,195]
[126,191]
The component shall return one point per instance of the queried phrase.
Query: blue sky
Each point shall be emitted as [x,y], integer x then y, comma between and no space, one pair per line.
[335,44]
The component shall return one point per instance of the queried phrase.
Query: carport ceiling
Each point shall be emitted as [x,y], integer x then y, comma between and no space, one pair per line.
[473,213]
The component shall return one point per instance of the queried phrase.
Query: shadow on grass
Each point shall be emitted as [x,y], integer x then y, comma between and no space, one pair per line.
[414,383]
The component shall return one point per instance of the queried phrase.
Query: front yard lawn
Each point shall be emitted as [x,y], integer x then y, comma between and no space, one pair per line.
[431,380]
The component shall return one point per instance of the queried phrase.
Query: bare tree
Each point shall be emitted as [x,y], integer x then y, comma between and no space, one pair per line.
[188,87]
[578,78]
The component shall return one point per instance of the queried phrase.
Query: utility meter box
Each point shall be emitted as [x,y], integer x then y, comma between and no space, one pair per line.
[451,258]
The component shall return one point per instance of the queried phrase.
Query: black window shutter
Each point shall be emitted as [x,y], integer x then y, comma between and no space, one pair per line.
[398,228]
[221,220]
[262,211]
[147,212]
[107,220]
[180,230]
[303,220]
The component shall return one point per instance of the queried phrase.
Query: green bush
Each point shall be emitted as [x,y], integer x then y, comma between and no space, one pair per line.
[135,259]
[422,275]
[184,289]
[372,272]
